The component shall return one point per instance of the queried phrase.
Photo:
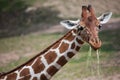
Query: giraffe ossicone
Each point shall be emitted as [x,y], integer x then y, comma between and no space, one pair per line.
[44,65]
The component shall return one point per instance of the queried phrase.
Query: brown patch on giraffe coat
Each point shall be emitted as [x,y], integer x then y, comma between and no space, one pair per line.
[70,37]
[38,66]
[64,46]
[35,78]
[73,45]
[52,70]
[61,61]
[11,76]
[56,45]
[79,41]
[50,56]
[2,77]
[26,77]
[70,54]
[77,48]
[24,72]
[43,77]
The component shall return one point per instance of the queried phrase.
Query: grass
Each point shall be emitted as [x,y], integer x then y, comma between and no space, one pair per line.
[76,67]
[29,41]
[116,15]
[13,64]
[111,40]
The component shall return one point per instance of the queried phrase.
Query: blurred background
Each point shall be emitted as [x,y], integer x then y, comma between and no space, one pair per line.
[29,26]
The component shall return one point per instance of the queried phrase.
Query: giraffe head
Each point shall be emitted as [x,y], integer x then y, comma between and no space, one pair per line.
[88,26]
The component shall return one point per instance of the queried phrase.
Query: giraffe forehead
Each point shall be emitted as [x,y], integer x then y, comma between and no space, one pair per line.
[90,27]
[89,22]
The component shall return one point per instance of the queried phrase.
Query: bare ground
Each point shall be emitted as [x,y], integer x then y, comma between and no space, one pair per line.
[6,58]
[114,23]
[72,8]
[112,77]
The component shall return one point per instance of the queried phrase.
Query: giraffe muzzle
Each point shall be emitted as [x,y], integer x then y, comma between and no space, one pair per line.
[95,43]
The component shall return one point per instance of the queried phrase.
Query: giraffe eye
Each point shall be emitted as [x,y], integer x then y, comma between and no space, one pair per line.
[80,28]
[99,26]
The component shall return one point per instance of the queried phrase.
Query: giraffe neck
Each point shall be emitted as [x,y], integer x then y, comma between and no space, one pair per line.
[45,65]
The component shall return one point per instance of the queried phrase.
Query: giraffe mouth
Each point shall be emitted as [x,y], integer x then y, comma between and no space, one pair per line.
[95,44]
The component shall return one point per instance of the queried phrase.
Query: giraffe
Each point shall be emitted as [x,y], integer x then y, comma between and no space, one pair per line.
[44,65]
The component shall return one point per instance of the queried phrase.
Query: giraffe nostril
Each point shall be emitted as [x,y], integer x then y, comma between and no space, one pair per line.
[92,40]
[95,40]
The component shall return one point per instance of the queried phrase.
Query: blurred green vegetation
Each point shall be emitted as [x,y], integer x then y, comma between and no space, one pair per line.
[116,15]
[12,5]
[111,40]
[21,22]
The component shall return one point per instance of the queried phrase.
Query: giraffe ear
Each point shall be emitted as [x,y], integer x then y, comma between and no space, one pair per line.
[70,24]
[104,18]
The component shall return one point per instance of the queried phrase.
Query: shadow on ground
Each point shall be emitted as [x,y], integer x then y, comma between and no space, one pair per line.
[22,22]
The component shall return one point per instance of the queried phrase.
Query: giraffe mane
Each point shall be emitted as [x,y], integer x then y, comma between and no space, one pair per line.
[39,54]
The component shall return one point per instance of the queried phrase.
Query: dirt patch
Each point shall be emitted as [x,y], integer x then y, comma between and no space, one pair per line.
[72,8]
[54,29]
[114,23]
[112,77]
[7,58]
